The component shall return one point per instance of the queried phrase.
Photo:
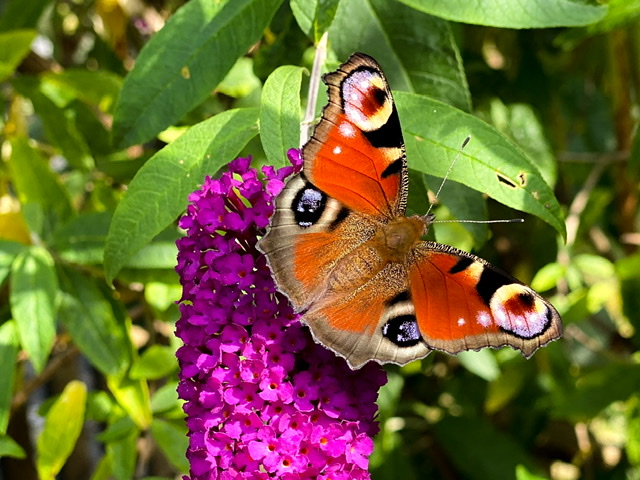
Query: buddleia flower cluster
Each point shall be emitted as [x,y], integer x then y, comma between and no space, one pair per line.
[262,400]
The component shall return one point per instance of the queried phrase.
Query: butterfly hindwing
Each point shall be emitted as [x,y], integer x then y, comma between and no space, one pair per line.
[464,303]
[374,322]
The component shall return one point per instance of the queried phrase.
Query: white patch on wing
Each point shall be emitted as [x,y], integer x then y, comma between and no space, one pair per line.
[461,322]
[347,130]
[484,319]
[337,150]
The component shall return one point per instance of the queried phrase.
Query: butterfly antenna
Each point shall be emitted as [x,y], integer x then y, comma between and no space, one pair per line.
[446,176]
[431,217]
[314,84]
[504,220]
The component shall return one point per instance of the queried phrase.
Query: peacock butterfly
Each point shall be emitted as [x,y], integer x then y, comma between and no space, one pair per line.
[341,249]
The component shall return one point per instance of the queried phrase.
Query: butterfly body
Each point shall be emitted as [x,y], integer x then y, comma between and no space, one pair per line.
[343,252]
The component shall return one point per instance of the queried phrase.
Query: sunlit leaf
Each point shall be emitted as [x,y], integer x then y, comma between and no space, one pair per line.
[133,398]
[14,46]
[280,113]
[513,13]
[9,448]
[490,163]
[158,193]
[155,362]
[184,62]
[8,360]
[62,428]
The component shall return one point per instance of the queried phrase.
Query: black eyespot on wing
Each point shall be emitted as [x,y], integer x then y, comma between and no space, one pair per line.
[462,264]
[308,205]
[400,297]
[341,217]
[402,331]
[527,299]
[489,282]
[380,95]
[388,135]
[393,168]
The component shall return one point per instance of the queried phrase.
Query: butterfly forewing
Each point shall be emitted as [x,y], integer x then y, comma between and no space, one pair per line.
[356,153]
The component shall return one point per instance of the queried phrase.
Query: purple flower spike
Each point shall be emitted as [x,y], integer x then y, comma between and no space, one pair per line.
[262,399]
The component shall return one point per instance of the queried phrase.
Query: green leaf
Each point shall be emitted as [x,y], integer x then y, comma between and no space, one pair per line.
[184,61]
[325,13]
[513,13]
[490,163]
[162,296]
[620,14]
[280,113]
[8,360]
[393,33]
[165,400]
[155,362]
[158,193]
[35,182]
[34,287]
[62,428]
[633,438]
[548,277]
[133,398]
[8,252]
[82,239]
[173,441]
[471,444]
[522,473]
[594,267]
[90,321]
[14,46]
[161,253]
[597,389]
[9,448]
[59,122]
[481,363]
[122,454]
[240,81]
[520,123]
[21,14]
[505,387]
[99,88]
[304,11]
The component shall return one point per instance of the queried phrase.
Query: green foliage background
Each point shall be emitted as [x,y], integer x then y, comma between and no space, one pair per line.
[114,111]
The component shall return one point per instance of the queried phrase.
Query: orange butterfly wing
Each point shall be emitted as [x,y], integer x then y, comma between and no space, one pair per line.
[464,303]
[356,153]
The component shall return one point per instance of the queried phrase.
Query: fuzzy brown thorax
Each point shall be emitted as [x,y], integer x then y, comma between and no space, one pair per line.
[395,239]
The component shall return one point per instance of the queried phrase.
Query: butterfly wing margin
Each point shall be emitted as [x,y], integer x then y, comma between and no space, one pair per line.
[464,303]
